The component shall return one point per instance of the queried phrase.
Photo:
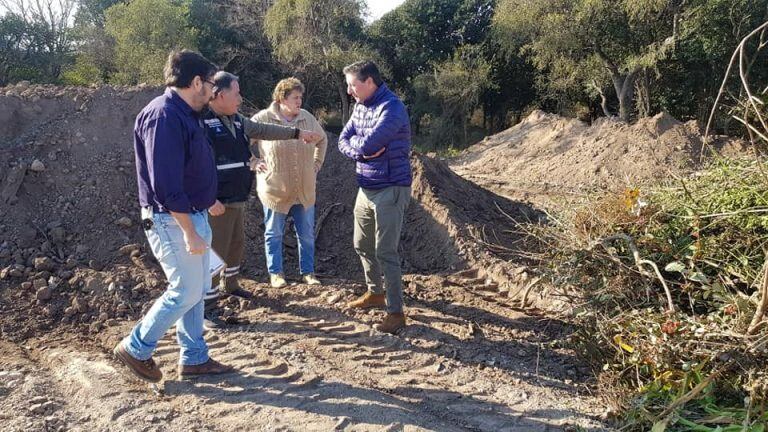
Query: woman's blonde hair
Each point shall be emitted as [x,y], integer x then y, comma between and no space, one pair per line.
[285,87]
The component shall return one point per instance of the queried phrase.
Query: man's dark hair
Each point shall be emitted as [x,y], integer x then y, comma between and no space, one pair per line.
[363,70]
[183,66]
[223,81]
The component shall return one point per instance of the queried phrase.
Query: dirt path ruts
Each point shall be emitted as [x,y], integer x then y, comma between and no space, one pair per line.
[468,361]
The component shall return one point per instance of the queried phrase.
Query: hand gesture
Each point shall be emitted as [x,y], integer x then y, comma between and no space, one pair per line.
[195,244]
[258,165]
[309,137]
[217,209]
[375,155]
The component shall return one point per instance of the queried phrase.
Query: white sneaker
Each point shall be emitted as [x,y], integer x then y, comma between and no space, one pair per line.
[277,280]
[310,279]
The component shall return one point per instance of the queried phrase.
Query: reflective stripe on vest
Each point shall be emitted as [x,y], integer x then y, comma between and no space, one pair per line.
[230,166]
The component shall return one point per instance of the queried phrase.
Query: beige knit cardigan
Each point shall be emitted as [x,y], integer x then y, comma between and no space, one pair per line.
[291,164]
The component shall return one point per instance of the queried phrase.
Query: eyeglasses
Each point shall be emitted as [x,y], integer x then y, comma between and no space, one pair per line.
[213,84]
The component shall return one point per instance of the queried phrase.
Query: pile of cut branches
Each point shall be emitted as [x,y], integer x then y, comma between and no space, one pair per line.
[670,282]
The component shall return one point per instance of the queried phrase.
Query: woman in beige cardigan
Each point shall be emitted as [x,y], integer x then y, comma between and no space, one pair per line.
[285,181]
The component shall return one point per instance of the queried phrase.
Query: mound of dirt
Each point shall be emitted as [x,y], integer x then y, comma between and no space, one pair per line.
[547,155]
[72,252]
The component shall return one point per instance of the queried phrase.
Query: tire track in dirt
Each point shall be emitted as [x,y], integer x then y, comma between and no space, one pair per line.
[303,364]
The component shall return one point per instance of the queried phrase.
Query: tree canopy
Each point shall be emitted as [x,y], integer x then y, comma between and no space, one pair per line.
[144,32]
[461,66]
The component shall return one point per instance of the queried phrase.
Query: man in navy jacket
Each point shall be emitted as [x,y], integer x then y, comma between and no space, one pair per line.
[378,137]
[177,184]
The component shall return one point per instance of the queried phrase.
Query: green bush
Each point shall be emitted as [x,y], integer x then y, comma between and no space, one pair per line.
[145,31]
[84,72]
[706,234]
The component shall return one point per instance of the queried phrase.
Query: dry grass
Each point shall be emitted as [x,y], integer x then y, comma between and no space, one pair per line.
[671,346]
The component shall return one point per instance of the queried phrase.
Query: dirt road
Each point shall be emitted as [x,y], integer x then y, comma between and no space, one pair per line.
[468,361]
[75,274]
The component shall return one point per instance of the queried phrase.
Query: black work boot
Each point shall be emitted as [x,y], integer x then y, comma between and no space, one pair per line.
[211,315]
[230,285]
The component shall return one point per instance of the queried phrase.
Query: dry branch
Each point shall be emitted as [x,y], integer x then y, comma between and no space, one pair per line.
[757,319]
[737,53]
[752,102]
[639,262]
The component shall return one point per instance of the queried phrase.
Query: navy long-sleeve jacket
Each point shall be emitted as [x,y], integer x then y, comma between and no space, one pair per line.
[175,166]
[379,122]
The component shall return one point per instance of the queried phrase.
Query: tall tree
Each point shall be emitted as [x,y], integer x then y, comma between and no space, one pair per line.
[232,36]
[47,26]
[145,31]
[459,84]
[567,38]
[690,78]
[318,38]
[93,11]
[15,44]
[95,49]
[419,33]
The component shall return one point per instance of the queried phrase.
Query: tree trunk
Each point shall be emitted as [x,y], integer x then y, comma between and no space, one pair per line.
[624,86]
[344,102]
[643,92]
[603,99]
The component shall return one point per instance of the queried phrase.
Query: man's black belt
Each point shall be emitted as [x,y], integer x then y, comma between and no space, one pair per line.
[157,210]
[147,223]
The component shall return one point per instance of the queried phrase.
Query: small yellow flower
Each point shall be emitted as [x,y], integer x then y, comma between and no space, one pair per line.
[630,198]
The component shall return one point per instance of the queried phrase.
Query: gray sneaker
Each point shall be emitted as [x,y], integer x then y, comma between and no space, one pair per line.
[277,280]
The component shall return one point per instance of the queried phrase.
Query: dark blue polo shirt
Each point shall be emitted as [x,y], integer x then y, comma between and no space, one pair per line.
[175,166]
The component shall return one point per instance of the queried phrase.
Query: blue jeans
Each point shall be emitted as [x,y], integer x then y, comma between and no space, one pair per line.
[274,228]
[182,302]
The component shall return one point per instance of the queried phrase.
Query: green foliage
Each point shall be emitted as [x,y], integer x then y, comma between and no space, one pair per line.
[558,55]
[443,101]
[30,50]
[145,31]
[92,12]
[421,36]
[728,204]
[459,83]
[568,39]
[679,50]
[95,59]
[707,236]
[690,78]
[318,38]
[13,36]
[83,72]
[420,33]
[314,32]
[231,34]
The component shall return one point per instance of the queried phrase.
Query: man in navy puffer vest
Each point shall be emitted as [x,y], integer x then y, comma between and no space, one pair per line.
[378,138]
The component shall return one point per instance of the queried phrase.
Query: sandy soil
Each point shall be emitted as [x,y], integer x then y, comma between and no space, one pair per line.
[75,274]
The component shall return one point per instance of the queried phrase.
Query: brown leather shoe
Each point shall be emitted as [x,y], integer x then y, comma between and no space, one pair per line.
[393,323]
[211,367]
[368,300]
[144,369]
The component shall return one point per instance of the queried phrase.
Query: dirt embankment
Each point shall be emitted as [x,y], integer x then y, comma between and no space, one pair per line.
[71,250]
[548,157]
[75,272]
